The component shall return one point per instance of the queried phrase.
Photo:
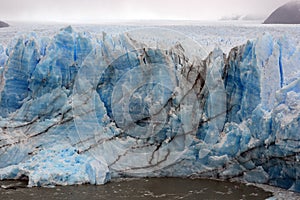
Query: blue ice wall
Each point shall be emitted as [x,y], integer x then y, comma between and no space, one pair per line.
[77,108]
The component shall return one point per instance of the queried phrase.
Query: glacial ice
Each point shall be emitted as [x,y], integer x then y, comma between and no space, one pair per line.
[76,108]
[66,165]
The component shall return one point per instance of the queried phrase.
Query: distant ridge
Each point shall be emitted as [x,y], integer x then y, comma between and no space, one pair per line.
[289,13]
[3,24]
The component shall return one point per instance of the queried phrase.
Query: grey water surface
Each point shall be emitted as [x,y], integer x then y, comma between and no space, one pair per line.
[131,189]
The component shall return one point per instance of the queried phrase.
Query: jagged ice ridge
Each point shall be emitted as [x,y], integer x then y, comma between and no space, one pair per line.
[79,109]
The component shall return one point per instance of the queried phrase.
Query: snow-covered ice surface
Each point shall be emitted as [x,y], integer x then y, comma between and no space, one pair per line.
[223,34]
[85,103]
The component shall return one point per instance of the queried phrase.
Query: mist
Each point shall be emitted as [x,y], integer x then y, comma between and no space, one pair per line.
[94,10]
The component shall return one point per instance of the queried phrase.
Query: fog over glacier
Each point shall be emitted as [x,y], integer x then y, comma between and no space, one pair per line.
[93,10]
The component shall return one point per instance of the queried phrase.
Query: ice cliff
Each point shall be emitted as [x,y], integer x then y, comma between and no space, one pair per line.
[76,108]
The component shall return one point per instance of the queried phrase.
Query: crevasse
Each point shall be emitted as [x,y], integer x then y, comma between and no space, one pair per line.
[79,109]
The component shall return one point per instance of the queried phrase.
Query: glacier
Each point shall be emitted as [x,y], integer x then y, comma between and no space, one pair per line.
[78,108]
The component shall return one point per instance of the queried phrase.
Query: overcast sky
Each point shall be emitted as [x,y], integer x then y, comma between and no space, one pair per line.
[93,10]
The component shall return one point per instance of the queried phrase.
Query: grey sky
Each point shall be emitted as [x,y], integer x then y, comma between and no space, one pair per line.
[86,10]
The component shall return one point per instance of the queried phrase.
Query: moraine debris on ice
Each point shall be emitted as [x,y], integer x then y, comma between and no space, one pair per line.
[79,109]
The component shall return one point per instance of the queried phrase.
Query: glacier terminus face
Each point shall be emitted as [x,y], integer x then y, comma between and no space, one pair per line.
[79,108]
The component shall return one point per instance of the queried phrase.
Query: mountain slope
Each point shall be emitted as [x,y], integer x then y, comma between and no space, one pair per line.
[3,24]
[289,13]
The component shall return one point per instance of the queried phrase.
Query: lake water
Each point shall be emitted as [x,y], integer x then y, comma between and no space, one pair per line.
[131,189]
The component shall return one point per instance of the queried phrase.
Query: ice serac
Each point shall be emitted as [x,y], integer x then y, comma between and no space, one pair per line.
[77,108]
